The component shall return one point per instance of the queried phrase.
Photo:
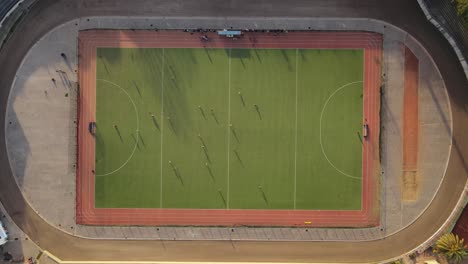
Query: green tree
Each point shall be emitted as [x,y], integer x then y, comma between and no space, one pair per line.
[450,246]
[462,10]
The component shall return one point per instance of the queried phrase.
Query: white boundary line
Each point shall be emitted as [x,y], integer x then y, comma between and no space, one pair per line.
[295,136]
[320,130]
[228,128]
[162,129]
[137,130]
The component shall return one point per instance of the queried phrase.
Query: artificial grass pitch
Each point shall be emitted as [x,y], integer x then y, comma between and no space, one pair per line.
[229,128]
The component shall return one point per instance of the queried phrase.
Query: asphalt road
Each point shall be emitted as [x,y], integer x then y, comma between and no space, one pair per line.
[46,14]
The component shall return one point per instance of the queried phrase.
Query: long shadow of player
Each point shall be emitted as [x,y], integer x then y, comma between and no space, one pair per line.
[263,194]
[222,196]
[238,157]
[286,58]
[234,133]
[176,172]
[67,61]
[241,98]
[141,139]
[214,116]
[210,171]
[171,124]
[118,133]
[202,112]
[208,54]
[258,56]
[105,64]
[360,137]
[136,141]
[257,109]
[137,88]
[206,153]
[155,122]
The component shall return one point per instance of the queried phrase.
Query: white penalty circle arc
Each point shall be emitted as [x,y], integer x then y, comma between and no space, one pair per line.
[137,129]
[320,131]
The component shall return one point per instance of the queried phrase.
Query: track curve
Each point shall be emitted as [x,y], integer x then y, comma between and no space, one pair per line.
[47,14]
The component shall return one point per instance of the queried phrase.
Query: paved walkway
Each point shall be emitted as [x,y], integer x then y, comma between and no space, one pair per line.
[42,143]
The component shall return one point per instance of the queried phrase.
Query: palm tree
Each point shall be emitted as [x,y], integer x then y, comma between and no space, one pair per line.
[450,246]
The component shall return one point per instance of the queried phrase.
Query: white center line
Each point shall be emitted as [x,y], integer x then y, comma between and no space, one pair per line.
[228,128]
[295,137]
[162,126]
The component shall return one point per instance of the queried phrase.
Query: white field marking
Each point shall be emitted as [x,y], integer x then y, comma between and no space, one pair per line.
[228,128]
[320,131]
[295,138]
[162,129]
[137,129]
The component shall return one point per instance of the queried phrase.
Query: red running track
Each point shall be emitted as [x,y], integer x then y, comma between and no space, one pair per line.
[87,214]
[410,112]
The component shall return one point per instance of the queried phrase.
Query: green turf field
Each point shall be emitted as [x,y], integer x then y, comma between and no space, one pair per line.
[229,128]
